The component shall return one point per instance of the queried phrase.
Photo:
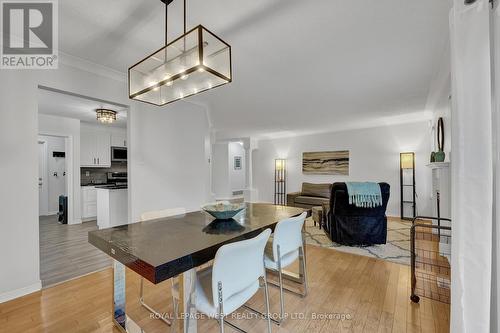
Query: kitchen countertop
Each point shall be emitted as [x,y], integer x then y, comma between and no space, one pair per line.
[112,187]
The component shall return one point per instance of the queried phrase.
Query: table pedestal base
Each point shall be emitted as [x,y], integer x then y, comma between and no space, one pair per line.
[185,323]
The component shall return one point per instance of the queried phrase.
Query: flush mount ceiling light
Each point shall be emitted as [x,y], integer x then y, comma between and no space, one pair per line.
[106,116]
[194,62]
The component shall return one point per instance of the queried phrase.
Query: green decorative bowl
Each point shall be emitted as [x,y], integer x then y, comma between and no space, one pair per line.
[223,210]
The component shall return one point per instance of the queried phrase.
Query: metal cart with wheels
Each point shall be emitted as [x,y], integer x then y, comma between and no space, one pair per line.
[430,258]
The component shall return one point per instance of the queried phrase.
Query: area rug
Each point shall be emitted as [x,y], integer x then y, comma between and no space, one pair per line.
[396,250]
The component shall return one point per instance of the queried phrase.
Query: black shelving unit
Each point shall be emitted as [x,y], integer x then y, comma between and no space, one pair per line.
[407,179]
[280,182]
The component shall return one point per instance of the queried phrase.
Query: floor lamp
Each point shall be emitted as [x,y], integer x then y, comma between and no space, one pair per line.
[407,181]
[280,181]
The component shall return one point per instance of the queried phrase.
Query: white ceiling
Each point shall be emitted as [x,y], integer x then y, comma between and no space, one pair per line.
[298,66]
[69,106]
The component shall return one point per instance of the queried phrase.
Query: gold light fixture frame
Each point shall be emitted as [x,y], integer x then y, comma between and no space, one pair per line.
[214,77]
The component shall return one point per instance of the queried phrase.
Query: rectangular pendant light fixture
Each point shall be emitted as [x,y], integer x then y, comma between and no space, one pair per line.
[194,62]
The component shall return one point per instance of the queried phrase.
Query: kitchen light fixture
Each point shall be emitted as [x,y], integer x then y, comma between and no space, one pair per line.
[106,116]
[194,62]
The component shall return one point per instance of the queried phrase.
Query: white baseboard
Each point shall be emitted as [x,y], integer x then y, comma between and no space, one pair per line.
[10,295]
[76,221]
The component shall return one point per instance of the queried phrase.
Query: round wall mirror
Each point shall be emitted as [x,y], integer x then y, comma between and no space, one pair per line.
[440,134]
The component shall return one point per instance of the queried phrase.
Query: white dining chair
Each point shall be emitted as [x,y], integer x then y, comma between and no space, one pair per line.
[286,246]
[236,275]
[153,215]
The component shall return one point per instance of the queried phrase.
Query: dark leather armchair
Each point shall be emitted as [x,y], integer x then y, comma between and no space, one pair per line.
[350,225]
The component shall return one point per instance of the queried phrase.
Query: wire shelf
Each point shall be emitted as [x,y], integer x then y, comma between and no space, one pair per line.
[430,259]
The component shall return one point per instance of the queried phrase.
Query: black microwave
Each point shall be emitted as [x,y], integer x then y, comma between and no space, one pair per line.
[118,154]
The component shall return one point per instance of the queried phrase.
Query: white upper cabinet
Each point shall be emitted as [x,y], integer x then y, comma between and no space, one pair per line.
[87,148]
[95,148]
[119,139]
[103,149]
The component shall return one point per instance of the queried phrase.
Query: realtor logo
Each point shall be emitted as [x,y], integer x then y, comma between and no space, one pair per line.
[29,34]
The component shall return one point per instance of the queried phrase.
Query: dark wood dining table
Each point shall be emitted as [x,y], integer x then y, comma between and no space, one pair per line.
[168,247]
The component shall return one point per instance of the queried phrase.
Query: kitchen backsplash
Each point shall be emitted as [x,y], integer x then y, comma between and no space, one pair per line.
[98,175]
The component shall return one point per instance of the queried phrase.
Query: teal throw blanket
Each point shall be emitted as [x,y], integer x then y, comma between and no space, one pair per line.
[364,194]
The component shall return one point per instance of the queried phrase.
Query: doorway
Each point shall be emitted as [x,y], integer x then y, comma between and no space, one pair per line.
[52,179]
[76,160]
[229,171]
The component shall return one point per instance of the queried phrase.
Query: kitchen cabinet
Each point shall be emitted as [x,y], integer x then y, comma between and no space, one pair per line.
[89,203]
[95,148]
[119,139]
[112,207]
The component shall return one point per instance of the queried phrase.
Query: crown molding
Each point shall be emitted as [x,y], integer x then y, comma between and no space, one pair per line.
[373,122]
[91,67]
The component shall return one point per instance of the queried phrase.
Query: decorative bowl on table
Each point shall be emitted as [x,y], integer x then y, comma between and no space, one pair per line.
[223,210]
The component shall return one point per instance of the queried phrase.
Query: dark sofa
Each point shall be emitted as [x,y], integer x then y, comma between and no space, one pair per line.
[350,225]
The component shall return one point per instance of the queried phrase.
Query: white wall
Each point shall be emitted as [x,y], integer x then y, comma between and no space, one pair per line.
[19,235]
[236,177]
[56,185]
[19,238]
[441,107]
[374,156]
[167,158]
[495,281]
[61,126]
[220,171]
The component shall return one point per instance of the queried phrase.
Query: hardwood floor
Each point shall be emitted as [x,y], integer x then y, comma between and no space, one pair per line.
[369,294]
[65,252]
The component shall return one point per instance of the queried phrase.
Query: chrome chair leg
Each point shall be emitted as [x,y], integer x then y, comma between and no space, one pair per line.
[302,277]
[268,307]
[223,322]
[221,307]
[302,259]
[280,277]
[234,327]
[268,313]
[150,309]
[302,280]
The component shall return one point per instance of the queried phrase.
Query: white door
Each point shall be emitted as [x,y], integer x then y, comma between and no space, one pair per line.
[43,198]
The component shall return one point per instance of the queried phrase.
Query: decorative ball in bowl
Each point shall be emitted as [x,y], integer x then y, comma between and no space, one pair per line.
[223,210]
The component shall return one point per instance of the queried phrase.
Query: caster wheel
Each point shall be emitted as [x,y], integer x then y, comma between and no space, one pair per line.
[415,298]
